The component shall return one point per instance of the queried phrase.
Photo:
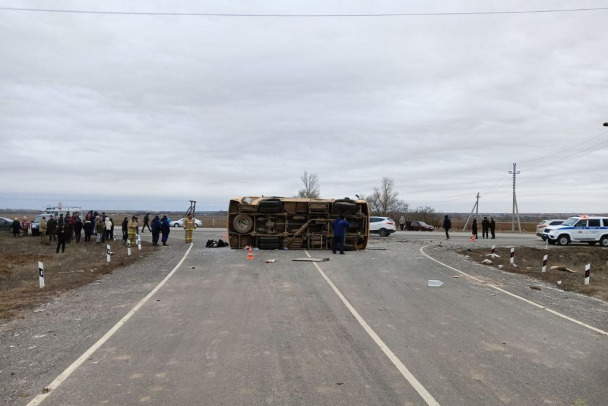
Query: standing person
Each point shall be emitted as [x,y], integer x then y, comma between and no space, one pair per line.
[108,226]
[16,227]
[165,229]
[402,223]
[68,230]
[112,230]
[447,224]
[25,226]
[474,228]
[492,227]
[155,230]
[42,229]
[125,230]
[77,229]
[99,229]
[88,230]
[339,227]
[61,230]
[189,226]
[51,228]
[485,226]
[133,229]
[146,220]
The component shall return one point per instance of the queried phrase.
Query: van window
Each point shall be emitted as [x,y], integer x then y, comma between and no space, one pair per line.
[605,222]
[594,223]
[581,224]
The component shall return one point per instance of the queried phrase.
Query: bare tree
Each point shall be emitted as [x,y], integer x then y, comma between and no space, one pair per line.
[311,186]
[384,199]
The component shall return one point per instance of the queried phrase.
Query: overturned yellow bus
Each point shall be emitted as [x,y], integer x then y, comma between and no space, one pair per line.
[295,223]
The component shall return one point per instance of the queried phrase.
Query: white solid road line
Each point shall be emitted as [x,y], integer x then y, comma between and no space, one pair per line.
[424,394]
[69,370]
[563,316]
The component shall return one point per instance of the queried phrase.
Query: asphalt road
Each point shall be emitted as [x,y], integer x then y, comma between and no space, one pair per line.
[360,329]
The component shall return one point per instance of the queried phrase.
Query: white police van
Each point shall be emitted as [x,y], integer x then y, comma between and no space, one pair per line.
[587,229]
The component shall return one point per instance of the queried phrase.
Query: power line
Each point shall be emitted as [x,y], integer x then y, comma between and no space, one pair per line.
[373,15]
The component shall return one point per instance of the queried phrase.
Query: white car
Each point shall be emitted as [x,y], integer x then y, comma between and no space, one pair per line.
[579,229]
[180,223]
[545,223]
[384,226]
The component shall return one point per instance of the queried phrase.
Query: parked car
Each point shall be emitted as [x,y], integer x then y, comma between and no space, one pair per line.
[5,224]
[180,223]
[421,226]
[587,229]
[541,226]
[384,226]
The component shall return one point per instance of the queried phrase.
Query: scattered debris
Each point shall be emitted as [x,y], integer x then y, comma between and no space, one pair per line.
[270,261]
[561,268]
[500,266]
[376,249]
[311,259]
[434,283]
[559,282]
[487,262]
[456,276]
[535,287]
[493,255]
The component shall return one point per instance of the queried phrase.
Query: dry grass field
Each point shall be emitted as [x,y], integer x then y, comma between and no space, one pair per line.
[529,261]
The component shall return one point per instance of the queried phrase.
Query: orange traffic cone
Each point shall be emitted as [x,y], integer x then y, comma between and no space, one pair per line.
[250,254]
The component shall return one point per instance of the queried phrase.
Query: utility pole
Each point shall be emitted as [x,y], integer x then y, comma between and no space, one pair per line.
[475,209]
[515,172]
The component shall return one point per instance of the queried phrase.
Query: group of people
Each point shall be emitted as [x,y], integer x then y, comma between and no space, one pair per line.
[65,228]
[487,227]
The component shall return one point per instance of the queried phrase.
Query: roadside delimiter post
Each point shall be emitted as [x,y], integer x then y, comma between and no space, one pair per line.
[108,254]
[512,258]
[544,269]
[41,274]
[587,273]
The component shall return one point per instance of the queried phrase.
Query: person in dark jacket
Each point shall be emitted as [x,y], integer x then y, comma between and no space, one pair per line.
[77,229]
[125,230]
[339,227]
[146,223]
[61,231]
[155,230]
[16,227]
[492,227]
[474,228]
[485,227]
[447,224]
[51,228]
[165,229]
[88,230]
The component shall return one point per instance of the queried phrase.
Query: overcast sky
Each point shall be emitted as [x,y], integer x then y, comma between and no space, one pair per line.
[110,111]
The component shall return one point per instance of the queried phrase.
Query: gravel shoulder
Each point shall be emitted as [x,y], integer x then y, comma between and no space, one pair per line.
[39,345]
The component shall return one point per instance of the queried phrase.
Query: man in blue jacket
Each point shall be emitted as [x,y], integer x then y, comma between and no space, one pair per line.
[339,226]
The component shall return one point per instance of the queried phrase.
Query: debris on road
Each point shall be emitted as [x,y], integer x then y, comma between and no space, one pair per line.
[561,268]
[434,283]
[311,259]
[535,287]
[487,262]
[270,261]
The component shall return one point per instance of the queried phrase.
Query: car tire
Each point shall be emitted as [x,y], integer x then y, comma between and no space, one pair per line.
[269,243]
[343,206]
[175,225]
[270,206]
[604,241]
[563,239]
[242,223]
[383,232]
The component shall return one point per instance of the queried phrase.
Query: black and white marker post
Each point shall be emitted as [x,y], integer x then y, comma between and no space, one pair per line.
[108,253]
[128,248]
[587,273]
[512,258]
[138,243]
[545,257]
[41,274]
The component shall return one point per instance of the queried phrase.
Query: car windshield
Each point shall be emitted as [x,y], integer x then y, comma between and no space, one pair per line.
[571,221]
[422,223]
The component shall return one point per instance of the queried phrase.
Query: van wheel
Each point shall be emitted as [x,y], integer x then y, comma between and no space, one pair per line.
[563,240]
[243,223]
[383,232]
[604,241]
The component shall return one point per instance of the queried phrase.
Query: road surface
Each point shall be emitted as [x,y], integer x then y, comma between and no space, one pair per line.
[360,329]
